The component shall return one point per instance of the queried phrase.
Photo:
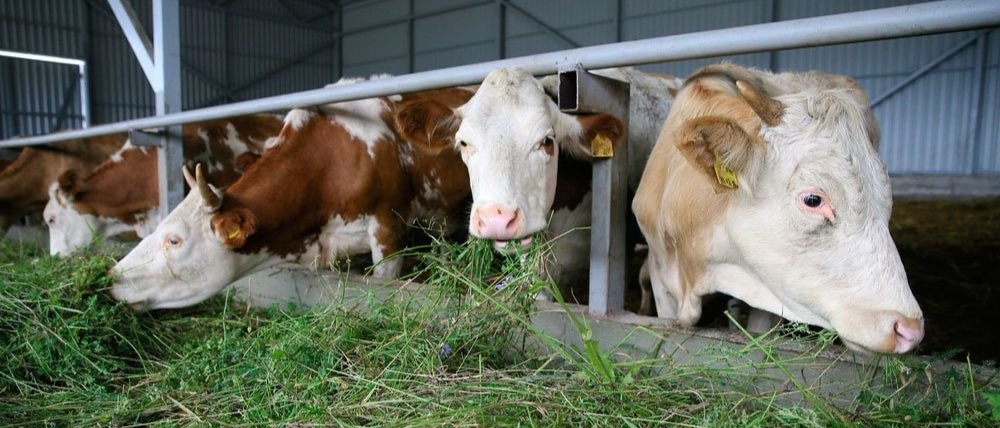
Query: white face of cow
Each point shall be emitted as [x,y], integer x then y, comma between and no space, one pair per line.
[510,137]
[180,264]
[69,230]
[806,236]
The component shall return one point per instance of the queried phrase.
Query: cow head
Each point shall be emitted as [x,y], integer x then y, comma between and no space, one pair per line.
[183,261]
[803,231]
[510,135]
[68,228]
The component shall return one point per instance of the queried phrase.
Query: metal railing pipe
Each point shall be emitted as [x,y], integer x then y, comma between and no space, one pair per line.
[876,24]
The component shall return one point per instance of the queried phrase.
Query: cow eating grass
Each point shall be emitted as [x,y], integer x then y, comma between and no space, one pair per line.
[529,163]
[122,194]
[338,181]
[769,188]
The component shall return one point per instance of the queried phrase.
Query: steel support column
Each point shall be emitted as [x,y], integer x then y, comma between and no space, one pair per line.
[583,92]
[161,62]
[167,56]
[501,30]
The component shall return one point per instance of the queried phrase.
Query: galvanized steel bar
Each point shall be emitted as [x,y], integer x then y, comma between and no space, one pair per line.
[912,20]
[583,92]
[167,57]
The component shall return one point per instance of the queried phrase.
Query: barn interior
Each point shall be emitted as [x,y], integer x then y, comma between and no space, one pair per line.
[937,97]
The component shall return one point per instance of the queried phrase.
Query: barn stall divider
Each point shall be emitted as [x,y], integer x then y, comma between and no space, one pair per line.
[583,93]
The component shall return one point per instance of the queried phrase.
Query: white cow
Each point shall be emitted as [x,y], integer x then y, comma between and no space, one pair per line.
[769,187]
[529,163]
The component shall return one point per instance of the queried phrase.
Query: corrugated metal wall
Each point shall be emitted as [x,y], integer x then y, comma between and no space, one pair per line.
[227,55]
[926,126]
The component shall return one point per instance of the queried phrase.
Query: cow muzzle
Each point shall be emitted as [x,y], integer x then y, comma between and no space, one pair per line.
[497,222]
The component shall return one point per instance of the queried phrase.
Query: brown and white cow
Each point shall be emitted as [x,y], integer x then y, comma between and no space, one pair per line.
[337,182]
[25,182]
[769,187]
[529,163]
[122,195]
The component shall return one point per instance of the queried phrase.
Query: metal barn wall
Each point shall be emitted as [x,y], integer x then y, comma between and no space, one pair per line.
[250,51]
[256,48]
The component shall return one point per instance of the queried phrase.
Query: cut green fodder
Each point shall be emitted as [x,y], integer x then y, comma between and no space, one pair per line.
[74,357]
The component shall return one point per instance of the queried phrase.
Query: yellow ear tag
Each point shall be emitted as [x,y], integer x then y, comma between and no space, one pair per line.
[725,175]
[234,233]
[601,147]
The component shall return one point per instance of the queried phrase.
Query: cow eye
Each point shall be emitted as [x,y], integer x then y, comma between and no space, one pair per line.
[812,200]
[172,241]
[51,221]
[463,143]
[548,142]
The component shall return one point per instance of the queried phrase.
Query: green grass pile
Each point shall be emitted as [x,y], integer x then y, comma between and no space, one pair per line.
[72,356]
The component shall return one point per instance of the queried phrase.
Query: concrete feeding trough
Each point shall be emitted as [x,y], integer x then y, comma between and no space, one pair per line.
[832,372]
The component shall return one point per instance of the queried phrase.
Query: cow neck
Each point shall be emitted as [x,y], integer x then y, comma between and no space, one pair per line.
[313,173]
[125,190]
[210,140]
[572,182]
[439,181]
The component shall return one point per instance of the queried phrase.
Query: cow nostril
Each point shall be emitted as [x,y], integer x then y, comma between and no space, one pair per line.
[908,334]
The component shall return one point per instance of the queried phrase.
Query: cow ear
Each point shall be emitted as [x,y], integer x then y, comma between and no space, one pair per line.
[430,124]
[721,149]
[244,161]
[234,226]
[600,136]
[69,181]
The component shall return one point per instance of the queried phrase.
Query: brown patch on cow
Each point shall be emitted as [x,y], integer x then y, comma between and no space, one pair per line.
[318,171]
[235,226]
[252,130]
[593,125]
[24,184]
[69,181]
[703,140]
[125,190]
[429,123]
[573,182]
[244,161]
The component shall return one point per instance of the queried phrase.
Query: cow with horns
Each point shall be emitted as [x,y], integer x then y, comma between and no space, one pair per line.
[338,181]
[769,188]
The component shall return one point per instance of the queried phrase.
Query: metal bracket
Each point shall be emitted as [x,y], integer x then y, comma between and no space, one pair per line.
[582,92]
[147,137]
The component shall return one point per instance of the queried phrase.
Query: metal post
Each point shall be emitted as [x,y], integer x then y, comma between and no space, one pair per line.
[167,57]
[411,46]
[618,20]
[582,92]
[340,42]
[501,30]
[976,104]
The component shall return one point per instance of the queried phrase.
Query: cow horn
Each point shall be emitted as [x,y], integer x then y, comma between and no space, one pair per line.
[192,184]
[769,109]
[212,200]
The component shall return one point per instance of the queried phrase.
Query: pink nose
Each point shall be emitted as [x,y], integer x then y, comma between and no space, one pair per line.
[909,332]
[497,221]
